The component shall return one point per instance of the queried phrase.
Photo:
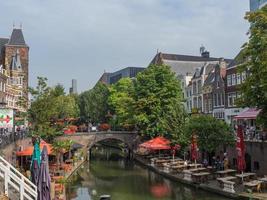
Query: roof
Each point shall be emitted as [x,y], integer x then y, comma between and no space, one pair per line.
[251,113]
[209,80]
[182,64]
[17,37]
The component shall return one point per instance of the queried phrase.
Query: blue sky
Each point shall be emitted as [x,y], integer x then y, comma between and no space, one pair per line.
[82,38]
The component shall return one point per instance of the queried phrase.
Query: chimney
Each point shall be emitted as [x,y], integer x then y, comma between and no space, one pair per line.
[222,65]
[205,54]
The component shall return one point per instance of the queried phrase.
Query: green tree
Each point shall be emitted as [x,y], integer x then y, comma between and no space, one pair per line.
[66,107]
[254,57]
[156,91]
[121,101]
[47,106]
[174,123]
[93,104]
[58,148]
[211,132]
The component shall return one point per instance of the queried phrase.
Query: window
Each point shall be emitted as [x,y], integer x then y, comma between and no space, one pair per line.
[210,105]
[195,102]
[231,99]
[233,79]
[20,80]
[200,103]
[199,86]
[219,99]
[229,80]
[238,78]
[1,86]
[194,88]
[215,100]
[222,99]
[243,76]
[4,88]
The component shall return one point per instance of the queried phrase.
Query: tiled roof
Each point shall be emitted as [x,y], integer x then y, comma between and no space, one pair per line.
[183,64]
[16,38]
[210,79]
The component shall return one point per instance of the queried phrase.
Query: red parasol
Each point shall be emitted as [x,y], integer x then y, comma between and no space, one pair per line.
[194,148]
[240,148]
[158,143]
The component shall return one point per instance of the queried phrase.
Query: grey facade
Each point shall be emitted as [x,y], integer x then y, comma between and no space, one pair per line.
[111,78]
[73,89]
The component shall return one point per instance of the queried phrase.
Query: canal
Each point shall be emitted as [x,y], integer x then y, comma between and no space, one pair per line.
[109,173]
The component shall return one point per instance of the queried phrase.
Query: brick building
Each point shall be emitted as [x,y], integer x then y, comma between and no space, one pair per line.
[14,59]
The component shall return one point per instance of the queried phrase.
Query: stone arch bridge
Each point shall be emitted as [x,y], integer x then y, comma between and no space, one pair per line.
[90,139]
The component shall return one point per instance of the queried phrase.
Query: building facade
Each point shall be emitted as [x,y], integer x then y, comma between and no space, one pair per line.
[218,90]
[114,77]
[15,68]
[233,82]
[73,88]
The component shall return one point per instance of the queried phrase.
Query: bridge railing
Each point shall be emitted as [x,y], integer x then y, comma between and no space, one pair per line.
[106,132]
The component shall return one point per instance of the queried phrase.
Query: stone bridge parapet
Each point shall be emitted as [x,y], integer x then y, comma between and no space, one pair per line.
[90,139]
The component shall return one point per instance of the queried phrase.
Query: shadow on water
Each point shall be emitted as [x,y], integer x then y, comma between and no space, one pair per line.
[109,173]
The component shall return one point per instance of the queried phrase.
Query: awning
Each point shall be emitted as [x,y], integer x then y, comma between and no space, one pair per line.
[29,150]
[251,113]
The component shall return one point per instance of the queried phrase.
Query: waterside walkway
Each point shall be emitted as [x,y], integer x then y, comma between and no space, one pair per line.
[210,185]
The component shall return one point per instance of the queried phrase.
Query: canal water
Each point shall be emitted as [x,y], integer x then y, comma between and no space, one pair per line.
[109,173]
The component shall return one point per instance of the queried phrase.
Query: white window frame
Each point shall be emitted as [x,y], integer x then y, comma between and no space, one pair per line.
[233,79]
[229,80]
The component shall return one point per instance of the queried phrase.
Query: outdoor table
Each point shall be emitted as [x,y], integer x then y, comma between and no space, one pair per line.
[225,172]
[227,178]
[201,177]
[178,168]
[252,184]
[194,165]
[245,176]
[198,169]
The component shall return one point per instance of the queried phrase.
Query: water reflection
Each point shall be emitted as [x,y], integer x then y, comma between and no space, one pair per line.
[126,181]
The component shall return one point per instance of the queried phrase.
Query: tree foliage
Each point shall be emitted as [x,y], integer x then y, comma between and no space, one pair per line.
[121,101]
[93,104]
[254,57]
[157,92]
[48,105]
[173,122]
[211,132]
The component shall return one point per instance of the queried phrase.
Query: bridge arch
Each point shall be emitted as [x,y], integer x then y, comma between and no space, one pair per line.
[88,140]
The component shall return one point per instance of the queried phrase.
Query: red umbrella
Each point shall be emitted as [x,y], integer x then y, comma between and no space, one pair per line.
[194,148]
[158,143]
[240,148]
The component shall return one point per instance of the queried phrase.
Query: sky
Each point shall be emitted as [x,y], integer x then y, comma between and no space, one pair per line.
[81,39]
